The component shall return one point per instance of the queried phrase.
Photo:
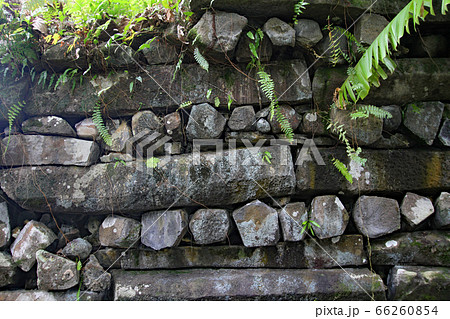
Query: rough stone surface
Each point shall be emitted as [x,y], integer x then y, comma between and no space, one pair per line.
[120,134]
[45,150]
[424,119]
[160,52]
[248,139]
[330,214]
[5,227]
[225,36]
[52,125]
[415,209]
[119,56]
[376,216]
[146,120]
[55,272]
[109,257]
[433,45]
[115,157]
[40,295]
[164,229]
[244,55]
[33,237]
[205,122]
[87,129]
[11,93]
[394,122]
[442,217]
[210,226]
[398,140]
[290,114]
[426,248]
[58,58]
[279,32]
[368,27]
[263,126]
[307,33]
[324,46]
[94,276]
[172,122]
[291,218]
[77,248]
[416,283]
[242,118]
[312,124]
[8,270]
[243,284]
[444,133]
[120,232]
[257,224]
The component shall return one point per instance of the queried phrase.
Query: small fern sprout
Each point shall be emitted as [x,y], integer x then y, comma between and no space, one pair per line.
[97,118]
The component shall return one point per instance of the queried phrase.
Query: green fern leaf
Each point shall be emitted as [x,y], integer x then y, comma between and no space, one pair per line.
[342,169]
[97,118]
[201,60]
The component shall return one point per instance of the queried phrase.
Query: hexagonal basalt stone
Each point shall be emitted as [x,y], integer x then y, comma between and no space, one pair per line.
[330,214]
[442,217]
[291,218]
[242,118]
[205,122]
[210,226]
[424,119]
[279,32]
[119,232]
[415,209]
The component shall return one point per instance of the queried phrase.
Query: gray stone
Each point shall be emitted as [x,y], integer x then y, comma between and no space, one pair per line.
[416,283]
[242,118]
[330,214]
[262,113]
[257,224]
[116,157]
[164,229]
[279,32]
[33,237]
[365,130]
[87,129]
[120,232]
[444,133]
[172,148]
[224,36]
[415,209]
[426,248]
[5,227]
[291,218]
[51,125]
[48,150]
[120,134]
[376,216]
[398,140]
[248,284]
[244,55]
[263,126]
[290,114]
[423,119]
[116,56]
[280,202]
[247,139]
[393,123]
[224,178]
[442,217]
[307,33]
[205,123]
[146,120]
[172,122]
[77,248]
[210,226]
[326,48]
[160,51]
[93,224]
[95,278]
[8,270]
[109,258]
[55,272]
[312,124]
[58,58]
[368,27]
[40,295]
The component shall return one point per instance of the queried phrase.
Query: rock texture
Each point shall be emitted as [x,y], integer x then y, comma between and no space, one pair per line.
[77,248]
[50,125]
[205,122]
[146,120]
[160,51]
[415,209]
[442,217]
[368,27]
[55,272]
[424,119]
[242,118]
[5,227]
[291,219]
[95,278]
[290,114]
[279,32]
[307,33]
[393,123]
[8,270]
[120,232]
[41,295]
[87,129]
[444,133]
[210,226]
[330,214]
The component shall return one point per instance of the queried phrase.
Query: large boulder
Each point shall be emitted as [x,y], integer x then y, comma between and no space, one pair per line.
[120,232]
[55,272]
[331,215]
[424,119]
[205,122]
[242,118]
[210,226]
[368,27]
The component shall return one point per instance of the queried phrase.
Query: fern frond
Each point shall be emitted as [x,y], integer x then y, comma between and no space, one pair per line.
[201,60]
[267,85]
[342,169]
[364,111]
[286,127]
[13,113]
[97,118]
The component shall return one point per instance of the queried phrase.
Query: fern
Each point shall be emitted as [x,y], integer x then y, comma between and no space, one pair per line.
[342,169]
[201,60]
[286,127]
[298,9]
[13,113]
[267,85]
[364,111]
[97,118]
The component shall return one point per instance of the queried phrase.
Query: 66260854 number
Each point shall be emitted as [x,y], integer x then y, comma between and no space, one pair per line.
[406,310]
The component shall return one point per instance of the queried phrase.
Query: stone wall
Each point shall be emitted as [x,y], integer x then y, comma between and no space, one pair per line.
[208,202]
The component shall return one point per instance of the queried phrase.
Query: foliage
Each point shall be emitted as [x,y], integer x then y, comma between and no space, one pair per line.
[97,118]
[308,224]
[364,111]
[334,33]
[342,168]
[152,162]
[13,113]
[201,60]
[266,157]
[298,9]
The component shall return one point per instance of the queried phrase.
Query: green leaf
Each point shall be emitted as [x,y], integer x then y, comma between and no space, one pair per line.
[208,94]
[250,35]
[216,101]
[201,60]
[79,265]
[152,162]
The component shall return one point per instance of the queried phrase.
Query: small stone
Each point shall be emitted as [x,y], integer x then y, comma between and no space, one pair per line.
[376,216]
[444,133]
[95,278]
[87,129]
[263,126]
[244,55]
[5,227]
[312,124]
[55,272]
[368,27]
[424,119]
[160,51]
[32,237]
[120,134]
[70,233]
[442,217]
[116,157]
[8,270]
[210,226]
[279,32]
[51,125]
[163,229]
[119,232]
[291,218]
[393,123]
[257,224]
[415,209]
[242,118]
[205,123]
[146,120]
[262,113]
[172,121]
[77,248]
[307,33]
[290,114]
[330,214]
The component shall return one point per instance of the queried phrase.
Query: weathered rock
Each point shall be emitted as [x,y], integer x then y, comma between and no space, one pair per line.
[426,248]
[120,232]
[116,157]
[224,36]
[424,119]
[109,257]
[415,209]
[263,126]
[291,218]
[68,233]
[160,51]
[8,270]
[45,150]
[368,27]
[164,229]
[224,178]
[330,214]
[416,283]
[442,217]
[398,140]
[279,32]
[33,237]
[247,284]
[205,122]
[394,122]
[210,226]
[172,122]
[11,93]
[116,56]
[172,148]
[244,55]
[312,124]
[55,272]
[257,224]
[307,33]
[146,120]
[242,118]
[58,58]
[87,129]
[290,114]
[326,47]
[120,134]
[280,202]
[444,133]
[51,125]
[433,45]
[77,248]
[40,295]
[376,216]
[5,227]
[95,278]
[247,139]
